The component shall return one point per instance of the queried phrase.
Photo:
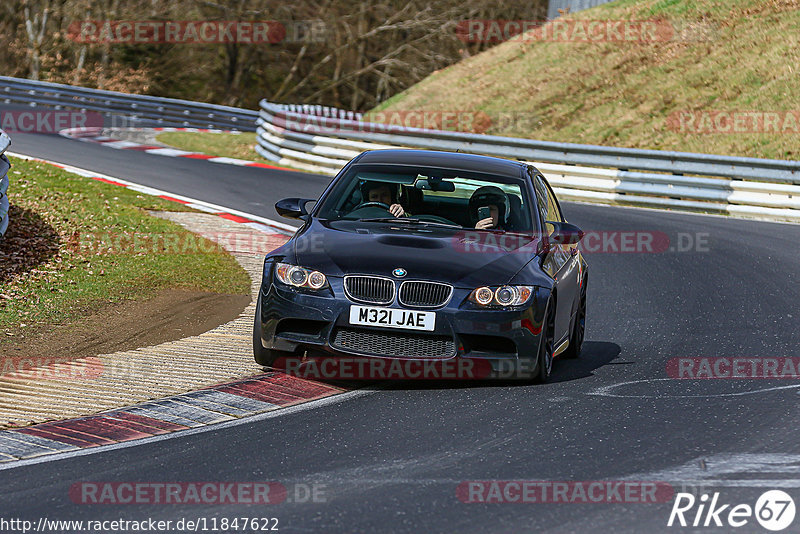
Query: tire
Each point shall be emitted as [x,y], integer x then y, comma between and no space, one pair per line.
[579,328]
[263,357]
[546,345]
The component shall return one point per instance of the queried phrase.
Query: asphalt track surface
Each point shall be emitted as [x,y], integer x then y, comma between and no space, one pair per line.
[391,460]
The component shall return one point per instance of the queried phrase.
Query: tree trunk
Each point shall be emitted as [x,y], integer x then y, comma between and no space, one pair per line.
[36,33]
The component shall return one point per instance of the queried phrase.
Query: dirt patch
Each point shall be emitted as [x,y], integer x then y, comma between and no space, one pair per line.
[168,316]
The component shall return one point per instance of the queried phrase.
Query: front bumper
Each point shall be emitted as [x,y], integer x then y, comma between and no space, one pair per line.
[313,324]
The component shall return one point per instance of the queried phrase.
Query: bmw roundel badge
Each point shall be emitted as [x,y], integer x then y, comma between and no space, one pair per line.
[399,272]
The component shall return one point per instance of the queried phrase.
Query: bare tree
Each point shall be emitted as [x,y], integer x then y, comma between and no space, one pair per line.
[35,26]
[336,52]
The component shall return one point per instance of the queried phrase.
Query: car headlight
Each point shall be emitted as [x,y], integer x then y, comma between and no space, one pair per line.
[294,275]
[501,296]
[483,296]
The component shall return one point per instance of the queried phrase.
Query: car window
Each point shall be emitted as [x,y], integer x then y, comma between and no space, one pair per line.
[542,197]
[553,211]
[433,195]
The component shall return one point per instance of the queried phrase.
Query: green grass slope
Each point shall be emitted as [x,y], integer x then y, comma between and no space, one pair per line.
[727,56]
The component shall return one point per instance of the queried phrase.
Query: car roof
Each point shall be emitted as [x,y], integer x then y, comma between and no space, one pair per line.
[440,159]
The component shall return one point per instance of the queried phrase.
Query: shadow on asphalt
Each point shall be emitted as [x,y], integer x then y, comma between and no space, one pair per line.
[595,354]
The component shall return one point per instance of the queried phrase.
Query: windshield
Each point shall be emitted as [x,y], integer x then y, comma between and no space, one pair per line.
[418,195]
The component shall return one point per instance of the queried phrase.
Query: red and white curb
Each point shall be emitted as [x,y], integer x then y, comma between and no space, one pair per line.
[248,219]
[222,405]
[219,404]
[93,135]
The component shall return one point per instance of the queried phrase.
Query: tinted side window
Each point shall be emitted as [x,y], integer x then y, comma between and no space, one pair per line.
[541,197]
[546,203]
[553,213]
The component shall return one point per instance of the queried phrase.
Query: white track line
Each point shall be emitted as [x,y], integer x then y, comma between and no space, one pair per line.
[607,391]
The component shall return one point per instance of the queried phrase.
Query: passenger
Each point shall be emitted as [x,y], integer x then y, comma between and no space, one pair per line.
[384,193]
[499,209]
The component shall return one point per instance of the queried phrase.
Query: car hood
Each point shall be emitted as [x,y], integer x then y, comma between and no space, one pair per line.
[464,258]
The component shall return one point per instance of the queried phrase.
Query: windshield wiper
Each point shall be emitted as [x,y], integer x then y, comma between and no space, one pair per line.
[391,219]
[410,220]
[443,225]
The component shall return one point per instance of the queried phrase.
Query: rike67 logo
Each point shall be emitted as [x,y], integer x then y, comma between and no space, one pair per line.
[774,510]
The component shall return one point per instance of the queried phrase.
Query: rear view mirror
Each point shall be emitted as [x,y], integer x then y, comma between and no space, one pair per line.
[565,233]
[434,184]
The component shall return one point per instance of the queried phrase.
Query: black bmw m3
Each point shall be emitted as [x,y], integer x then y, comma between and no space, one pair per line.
[427,257]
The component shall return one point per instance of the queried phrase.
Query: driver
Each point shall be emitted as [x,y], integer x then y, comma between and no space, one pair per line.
[384,193]
[499,208]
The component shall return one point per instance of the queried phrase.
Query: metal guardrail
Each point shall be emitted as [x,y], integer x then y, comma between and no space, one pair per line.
[135,110]
[322,139]
[680,180]
[5,142]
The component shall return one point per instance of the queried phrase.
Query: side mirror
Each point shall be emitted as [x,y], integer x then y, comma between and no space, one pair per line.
[293,208]
[565,233]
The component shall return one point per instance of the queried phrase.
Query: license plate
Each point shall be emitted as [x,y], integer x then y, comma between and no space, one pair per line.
[392,318]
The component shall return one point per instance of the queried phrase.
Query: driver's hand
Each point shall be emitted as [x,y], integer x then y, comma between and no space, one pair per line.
[397,210]
[484,224]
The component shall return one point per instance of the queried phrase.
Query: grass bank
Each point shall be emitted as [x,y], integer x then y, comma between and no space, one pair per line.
[710,59]
[239,145]
[76,244]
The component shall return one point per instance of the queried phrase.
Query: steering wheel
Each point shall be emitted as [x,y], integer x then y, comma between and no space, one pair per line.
[373,205]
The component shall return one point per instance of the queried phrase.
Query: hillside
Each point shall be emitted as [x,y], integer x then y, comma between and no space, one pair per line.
[727,80]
